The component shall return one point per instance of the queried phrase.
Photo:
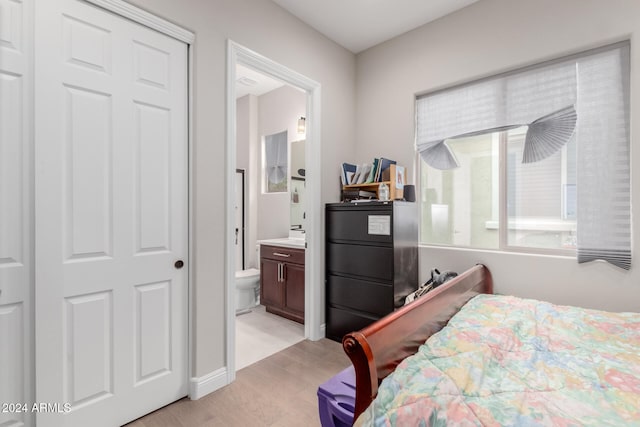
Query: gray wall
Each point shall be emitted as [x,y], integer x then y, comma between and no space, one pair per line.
[278,110]
[247,159]
[267,215]
[266,28]
[483,39]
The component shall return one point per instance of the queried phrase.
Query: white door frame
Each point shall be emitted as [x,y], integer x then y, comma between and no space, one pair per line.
[238,54]
[147,19]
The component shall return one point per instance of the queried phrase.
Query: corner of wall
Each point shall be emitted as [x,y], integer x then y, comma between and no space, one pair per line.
[201,386]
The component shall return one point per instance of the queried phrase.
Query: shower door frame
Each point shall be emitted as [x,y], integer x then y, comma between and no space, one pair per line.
[241,230]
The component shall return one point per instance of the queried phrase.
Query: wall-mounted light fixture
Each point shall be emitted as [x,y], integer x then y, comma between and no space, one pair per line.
[302,125]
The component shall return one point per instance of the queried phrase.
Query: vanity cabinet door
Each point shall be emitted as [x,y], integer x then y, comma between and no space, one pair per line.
[271,289]
[294,291]
[282,281]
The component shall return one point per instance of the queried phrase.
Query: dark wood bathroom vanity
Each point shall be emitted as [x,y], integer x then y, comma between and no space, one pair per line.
[282,281]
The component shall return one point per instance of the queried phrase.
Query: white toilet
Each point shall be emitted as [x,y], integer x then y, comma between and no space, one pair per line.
[247,289]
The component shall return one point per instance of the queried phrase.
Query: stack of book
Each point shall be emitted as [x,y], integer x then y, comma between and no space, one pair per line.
[365,173]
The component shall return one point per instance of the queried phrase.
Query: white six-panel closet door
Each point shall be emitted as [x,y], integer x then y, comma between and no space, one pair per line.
[111,215]
[16,213]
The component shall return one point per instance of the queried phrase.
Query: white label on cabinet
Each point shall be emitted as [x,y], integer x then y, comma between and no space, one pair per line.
[380,224]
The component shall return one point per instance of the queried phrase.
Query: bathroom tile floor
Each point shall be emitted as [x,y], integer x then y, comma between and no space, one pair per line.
[260,334]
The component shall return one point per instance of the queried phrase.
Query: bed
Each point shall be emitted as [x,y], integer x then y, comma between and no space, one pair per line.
[495,360]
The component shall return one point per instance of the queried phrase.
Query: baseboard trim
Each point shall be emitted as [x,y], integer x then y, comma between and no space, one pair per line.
[201,386]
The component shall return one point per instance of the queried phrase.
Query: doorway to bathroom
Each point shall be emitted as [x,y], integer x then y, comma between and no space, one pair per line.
[282,170]
[267,142]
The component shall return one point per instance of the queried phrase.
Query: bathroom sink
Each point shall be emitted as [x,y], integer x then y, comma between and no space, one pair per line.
[297,234]
[288,242]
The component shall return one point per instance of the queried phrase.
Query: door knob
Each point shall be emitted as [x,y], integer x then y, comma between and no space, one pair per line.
[179,264]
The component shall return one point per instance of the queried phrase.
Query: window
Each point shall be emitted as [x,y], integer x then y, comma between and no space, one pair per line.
[534,160]
[462,206]
[275,163]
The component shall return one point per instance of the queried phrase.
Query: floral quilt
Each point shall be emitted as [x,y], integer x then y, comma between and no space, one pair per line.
[507,361]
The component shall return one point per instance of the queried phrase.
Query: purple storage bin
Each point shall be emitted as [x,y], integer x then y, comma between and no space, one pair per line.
[337,399]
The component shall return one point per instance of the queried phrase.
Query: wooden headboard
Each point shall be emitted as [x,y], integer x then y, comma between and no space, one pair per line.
[376,350]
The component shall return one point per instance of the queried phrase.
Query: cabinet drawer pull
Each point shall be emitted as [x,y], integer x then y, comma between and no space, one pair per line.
[281,254]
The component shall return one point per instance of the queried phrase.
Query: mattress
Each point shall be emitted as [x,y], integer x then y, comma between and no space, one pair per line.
[507,361]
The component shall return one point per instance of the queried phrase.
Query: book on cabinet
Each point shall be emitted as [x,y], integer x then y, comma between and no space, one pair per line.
[393,176]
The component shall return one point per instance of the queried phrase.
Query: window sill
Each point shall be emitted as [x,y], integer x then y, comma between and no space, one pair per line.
[568,253]
[536,224]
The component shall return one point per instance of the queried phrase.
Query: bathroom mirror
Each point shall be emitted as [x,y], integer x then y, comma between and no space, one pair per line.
[297,212]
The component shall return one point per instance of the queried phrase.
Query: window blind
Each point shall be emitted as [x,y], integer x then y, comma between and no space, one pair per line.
[275,151]
[604,169]
[542,98]
[584,96]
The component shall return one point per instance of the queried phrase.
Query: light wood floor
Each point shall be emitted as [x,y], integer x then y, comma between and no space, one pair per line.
[277,391]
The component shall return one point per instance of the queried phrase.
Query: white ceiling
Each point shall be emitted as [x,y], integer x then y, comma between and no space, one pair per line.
[355,24]
[249,81]
[360,24]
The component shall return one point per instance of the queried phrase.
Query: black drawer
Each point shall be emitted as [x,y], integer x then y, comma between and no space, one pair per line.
[341,322]
[360,225]
[375,262]
[361,295]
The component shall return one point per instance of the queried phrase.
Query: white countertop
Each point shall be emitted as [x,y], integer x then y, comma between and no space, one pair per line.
[287,242]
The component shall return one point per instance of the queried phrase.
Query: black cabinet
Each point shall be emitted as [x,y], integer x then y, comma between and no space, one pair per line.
[372,262]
